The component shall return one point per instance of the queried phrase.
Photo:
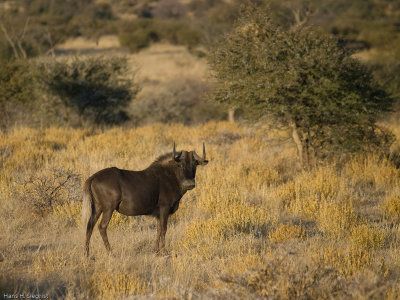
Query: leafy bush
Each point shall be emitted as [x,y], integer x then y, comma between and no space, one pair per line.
[92,91]
[96,89]
[138,34]
[14,79]
[386,70]
[16,91]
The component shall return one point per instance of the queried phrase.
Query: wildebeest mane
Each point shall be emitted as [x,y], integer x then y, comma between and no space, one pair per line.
[163,158]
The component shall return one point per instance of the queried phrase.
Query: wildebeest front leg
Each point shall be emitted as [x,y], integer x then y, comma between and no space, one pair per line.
[162,228]
[103,227]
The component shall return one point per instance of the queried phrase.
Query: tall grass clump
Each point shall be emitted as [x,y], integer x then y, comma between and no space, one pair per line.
[372,171]
[101,286]
[391,207]
[310,190]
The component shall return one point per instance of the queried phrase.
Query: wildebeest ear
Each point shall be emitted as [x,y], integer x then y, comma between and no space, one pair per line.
[199,160]
[202,162]
[178,157]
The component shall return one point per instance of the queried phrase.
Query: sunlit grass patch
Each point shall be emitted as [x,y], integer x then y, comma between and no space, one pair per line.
[293,278]
[367,237]
[118,220]
[27,150]
[393,293]
[106,285]
[258,175]
[239,219]
[49,261]
[69,214]
[372,170]
[242,262]
[285,232]
[391,207]
[305,195]
[336,219]
[347,260]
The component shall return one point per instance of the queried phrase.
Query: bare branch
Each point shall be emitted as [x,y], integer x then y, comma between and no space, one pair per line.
[302,15]
[296,15]
[21,49]
[25,27]
[50,40]
[10,41]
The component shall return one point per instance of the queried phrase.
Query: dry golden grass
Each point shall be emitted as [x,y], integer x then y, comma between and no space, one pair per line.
[255,226]
[163,70]
[163,62]
[81,43]
[391,207]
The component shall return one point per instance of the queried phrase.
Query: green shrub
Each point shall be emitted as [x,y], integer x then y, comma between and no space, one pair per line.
[96,89]
[16,91]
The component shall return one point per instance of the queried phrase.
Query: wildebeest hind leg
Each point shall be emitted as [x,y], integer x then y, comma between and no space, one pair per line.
[89,229]
[103,227]
[158,235]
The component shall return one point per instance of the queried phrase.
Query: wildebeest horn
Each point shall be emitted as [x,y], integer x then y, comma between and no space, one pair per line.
[201,160]
[173,152]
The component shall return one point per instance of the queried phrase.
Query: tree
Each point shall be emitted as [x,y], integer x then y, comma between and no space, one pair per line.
[301,79]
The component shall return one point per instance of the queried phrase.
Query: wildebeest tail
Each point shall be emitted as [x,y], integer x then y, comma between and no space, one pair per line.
[88,209]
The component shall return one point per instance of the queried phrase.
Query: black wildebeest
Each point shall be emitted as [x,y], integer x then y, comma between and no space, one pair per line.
[155,191]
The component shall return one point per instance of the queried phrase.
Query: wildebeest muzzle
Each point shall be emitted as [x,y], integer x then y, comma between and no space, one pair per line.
[188,184]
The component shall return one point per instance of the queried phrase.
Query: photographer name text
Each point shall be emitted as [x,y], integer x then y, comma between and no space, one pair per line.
[25,296]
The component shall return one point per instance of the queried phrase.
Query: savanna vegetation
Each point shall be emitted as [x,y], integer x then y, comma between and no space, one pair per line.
[300,199]
[255,226]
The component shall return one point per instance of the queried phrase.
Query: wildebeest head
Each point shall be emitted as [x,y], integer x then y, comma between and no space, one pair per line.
[188,162]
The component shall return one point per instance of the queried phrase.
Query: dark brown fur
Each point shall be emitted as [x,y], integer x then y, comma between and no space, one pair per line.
[155,191]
